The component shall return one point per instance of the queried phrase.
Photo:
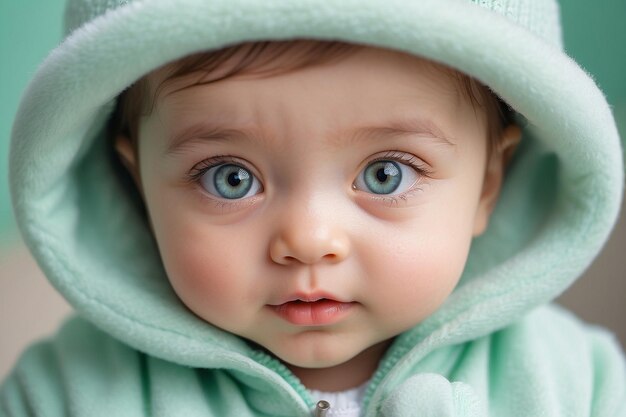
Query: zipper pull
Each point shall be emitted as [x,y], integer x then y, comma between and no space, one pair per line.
[321,408]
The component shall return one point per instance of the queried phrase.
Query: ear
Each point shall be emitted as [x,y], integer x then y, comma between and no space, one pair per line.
[494,175]
[128,157]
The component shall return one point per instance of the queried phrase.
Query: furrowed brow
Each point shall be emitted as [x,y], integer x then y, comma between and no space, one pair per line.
[207,132]
[408,126]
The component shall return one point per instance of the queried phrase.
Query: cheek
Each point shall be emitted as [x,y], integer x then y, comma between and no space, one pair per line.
[210,267]
[414,270]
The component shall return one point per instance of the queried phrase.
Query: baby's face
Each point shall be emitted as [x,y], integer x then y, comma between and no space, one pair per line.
[320,212]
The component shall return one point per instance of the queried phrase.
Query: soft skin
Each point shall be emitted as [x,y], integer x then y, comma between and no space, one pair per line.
[310,224]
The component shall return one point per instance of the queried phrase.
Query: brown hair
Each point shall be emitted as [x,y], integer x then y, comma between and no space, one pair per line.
[259,58]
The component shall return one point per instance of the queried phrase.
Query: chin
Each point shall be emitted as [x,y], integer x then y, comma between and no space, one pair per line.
[316,355]
[327,355]
[315,360]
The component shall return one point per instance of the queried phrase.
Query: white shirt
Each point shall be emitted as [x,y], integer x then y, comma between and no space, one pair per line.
[344,403]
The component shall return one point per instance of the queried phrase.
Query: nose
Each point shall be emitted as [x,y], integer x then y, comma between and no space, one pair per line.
[308,238]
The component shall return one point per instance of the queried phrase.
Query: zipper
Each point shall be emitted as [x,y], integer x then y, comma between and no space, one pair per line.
[321,408]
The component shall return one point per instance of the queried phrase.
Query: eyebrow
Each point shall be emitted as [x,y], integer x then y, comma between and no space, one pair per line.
[403,127]
[208,132]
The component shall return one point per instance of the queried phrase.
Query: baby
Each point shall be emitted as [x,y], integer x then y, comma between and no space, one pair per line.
[250,226]
[317,211]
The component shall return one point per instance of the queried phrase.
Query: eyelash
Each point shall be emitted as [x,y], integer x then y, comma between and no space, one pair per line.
[202,167]
[198,170]
[418,165]
[405,158]
[423,170]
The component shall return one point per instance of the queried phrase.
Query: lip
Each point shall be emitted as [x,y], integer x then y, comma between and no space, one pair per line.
[309,297]
[315,308]
[319,312]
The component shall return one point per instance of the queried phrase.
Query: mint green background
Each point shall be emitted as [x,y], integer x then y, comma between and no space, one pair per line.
[28,30]
[595,35]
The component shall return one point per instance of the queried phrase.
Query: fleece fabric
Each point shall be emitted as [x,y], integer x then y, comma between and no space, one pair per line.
[496,347]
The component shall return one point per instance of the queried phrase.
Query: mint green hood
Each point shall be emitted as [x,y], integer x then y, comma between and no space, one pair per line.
[558,205]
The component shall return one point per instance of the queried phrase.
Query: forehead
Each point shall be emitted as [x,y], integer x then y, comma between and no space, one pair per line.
[237,62]
[365,90]
[356,82]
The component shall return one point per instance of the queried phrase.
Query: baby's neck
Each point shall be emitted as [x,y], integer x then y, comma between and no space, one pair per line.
[350,374]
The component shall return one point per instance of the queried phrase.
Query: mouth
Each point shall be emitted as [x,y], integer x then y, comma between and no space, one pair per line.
[312,311]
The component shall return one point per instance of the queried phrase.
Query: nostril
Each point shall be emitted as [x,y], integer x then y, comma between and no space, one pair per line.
[308,249]
[290,259]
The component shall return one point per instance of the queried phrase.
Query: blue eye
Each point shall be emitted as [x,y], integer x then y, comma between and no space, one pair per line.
[230,181]
[386,177]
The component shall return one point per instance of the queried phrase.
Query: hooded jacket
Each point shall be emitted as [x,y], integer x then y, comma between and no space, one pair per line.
[496,347]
